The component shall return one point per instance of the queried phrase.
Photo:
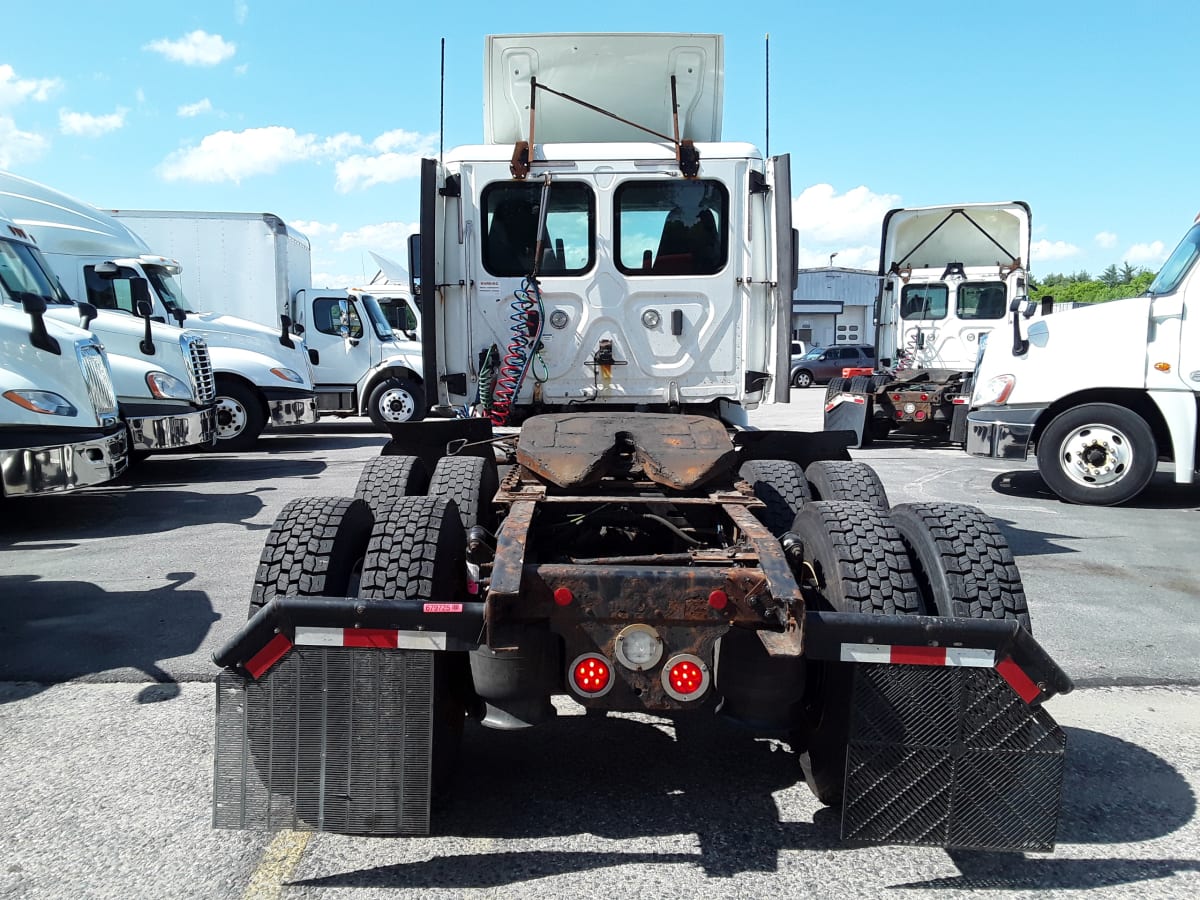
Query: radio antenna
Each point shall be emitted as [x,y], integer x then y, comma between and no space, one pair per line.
[767,150]
[442,108]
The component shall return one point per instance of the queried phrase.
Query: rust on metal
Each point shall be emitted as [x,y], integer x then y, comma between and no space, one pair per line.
[573,450]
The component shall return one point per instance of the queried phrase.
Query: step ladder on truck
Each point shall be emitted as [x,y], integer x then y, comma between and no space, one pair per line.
[606,304]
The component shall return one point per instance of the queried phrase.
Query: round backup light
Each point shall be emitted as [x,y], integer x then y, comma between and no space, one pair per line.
[651,318]
[685,677]
[591,675]
[638,647]
[910,408]
[559,319]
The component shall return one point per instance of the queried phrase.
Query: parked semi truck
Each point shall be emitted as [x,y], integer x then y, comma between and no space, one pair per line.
[616,293]
[255,266]
[162,375]
[59,427]
[254,376]
[947,277]
[1101,393]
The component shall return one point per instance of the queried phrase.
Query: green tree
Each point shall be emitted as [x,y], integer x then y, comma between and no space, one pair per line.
[1128,273]
[1110,277]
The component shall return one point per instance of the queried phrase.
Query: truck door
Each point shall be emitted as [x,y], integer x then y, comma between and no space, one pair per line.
[340,334]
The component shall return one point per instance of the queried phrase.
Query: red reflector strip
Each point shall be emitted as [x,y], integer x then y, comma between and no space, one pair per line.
[376,638]
[1025,687]
[961,401]
[276,648]
[896,654]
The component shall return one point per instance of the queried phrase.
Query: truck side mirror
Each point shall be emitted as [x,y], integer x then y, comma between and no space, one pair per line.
[35,308]
[87,313]
[139,290]
[414,264]
[1047,304]
[1014,305]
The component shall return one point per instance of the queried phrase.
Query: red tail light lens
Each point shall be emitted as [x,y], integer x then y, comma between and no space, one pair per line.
[685,677]
[591,675]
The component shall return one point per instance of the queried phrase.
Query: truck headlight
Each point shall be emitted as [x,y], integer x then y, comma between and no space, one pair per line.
[994,391]
[287,375]
[168,387]
[47,403]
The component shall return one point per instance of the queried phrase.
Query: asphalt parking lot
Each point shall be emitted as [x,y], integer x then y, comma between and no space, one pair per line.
[112,600]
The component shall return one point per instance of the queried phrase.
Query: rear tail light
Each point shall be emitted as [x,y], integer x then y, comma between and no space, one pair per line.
[591,675]
[685,677]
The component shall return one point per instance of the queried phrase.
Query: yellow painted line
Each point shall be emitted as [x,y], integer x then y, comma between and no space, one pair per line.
[276,866]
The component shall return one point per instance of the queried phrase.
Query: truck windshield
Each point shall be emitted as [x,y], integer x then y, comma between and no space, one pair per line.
[924,301]
[1178,264]
[22,274]
[671,228]
[378,320]
[167,288]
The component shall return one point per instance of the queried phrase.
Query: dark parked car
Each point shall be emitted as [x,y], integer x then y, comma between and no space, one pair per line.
[822,363]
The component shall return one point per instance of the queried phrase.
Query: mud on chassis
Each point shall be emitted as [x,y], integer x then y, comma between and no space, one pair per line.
[639,563]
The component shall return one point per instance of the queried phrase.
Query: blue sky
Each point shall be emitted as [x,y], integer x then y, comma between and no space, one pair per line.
[320,112]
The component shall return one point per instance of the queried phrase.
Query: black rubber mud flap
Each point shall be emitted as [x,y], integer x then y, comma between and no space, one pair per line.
[950,756]
[848,412]
[331,739]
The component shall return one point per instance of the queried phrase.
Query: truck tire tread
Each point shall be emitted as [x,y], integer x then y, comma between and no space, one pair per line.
[781,485]
[836,479]
[471,482]
[312,549]
[963,562]
[386,478]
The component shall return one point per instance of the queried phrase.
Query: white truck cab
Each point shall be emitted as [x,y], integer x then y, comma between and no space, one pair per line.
[257,267]
[258,376]
[1101,392]
[59,427]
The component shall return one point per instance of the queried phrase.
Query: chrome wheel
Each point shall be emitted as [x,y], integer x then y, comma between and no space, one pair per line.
[396,405]
[231,418]
[1096,455]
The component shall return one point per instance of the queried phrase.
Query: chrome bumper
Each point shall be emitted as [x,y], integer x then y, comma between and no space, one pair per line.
[153,433]
[1001,433]
[48,470]
[293,412]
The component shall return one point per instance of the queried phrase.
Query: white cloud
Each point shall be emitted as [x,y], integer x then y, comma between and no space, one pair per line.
[197,48]
[338,280]
[17,146]
[240,11]
[1106,239]
[1153,252]
[382,237]
[314,229]
[399,157]
[14,90]
[823,216]
[189,110]
[88,125]
[1045,250]
[234,155]
[864,257]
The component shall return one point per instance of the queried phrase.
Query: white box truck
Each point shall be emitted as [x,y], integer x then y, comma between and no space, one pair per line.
[59,428]
[255,266]
[259,375]
[1102,393]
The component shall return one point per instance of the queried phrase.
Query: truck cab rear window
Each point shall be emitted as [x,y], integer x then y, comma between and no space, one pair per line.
[982,301]
[923,301]
[673,228]
[510,225]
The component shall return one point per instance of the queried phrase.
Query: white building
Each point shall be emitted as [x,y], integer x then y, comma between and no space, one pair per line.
[833,305]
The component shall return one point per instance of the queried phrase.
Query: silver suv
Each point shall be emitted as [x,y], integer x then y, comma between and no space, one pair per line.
[822,363]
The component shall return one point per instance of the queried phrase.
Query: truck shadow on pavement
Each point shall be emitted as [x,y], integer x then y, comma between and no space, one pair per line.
[167,471]
[57,631]
[1161,493]
[581,781]
[124,512]
[1115,792]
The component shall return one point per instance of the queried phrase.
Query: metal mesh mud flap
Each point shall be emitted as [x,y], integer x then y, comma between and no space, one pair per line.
[951,757]
[330,739]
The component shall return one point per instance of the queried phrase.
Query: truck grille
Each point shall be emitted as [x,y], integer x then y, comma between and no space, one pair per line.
[195,351]
[99,381]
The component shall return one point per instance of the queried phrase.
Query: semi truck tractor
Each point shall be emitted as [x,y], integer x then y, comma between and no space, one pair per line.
[947,277]
[606,287]
[253,376]
[257,267]
[59,424]
[1100,393]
